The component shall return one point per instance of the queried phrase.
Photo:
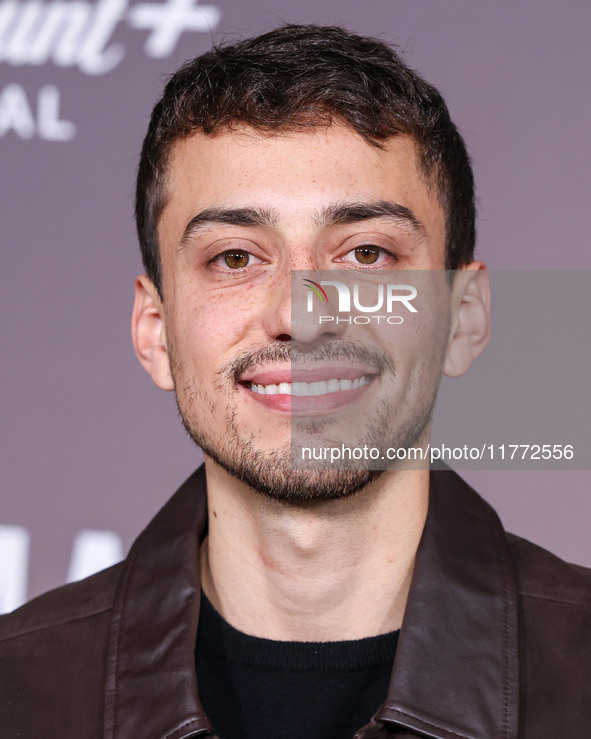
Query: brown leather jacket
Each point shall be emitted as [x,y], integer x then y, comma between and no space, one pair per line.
[495,644]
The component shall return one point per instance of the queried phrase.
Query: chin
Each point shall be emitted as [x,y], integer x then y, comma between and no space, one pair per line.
[268,476]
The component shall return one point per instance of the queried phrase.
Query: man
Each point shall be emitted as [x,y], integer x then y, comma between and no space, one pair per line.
[268,599]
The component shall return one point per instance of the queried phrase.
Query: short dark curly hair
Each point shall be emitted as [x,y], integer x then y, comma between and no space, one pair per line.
[304,76]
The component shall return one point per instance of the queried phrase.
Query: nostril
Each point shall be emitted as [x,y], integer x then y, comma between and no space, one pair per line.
[283,337]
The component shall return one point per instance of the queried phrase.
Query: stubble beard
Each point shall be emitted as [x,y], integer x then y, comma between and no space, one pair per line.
[273,472]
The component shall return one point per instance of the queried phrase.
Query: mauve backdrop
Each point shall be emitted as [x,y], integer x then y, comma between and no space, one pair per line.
[89,443]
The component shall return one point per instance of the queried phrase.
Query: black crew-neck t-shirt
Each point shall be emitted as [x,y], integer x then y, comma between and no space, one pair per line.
[258,688]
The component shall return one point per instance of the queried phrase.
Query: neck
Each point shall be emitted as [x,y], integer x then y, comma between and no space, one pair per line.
[325,571]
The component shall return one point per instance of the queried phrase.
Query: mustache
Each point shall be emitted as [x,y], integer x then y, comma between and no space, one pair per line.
[279,352]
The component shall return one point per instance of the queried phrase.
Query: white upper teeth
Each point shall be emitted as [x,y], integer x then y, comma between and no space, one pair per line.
[309,388]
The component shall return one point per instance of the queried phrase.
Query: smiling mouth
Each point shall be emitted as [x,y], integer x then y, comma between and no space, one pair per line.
[308,389]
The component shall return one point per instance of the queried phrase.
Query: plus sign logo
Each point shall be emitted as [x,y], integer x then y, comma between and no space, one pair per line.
[78,33]
[168,20]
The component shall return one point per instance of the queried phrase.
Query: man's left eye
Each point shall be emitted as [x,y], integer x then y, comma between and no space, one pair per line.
[366,255]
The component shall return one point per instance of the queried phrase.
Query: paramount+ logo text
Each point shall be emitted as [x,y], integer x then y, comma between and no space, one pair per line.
[348,305]
[90,36]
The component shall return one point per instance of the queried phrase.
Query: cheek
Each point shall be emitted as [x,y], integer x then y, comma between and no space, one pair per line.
[208,330]
[432,319]
[417,346]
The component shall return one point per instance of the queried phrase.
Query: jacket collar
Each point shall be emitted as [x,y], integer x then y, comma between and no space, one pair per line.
[456,669]
[151,689]
[456,672]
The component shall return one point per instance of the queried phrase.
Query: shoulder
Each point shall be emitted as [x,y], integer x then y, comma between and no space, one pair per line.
[53,660]
[70,603]
[554,607]
[542,576]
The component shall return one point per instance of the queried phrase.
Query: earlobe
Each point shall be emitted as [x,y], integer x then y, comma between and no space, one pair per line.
[148,333]
[470,329]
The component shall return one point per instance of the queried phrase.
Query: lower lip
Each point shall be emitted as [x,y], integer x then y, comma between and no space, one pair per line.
[308,405]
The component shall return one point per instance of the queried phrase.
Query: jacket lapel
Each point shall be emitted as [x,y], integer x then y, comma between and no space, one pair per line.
[151,689]
[456,672]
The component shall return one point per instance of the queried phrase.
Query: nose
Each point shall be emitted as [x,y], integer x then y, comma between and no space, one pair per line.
[299,311]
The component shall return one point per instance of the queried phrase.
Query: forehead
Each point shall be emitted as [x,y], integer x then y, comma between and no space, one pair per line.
[296,174]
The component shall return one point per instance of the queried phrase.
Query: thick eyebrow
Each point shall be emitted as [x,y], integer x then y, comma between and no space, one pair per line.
[335,214]
[228,217]
[343,213]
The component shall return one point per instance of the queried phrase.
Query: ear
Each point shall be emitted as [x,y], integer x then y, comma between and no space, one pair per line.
[470,318]
[148,333]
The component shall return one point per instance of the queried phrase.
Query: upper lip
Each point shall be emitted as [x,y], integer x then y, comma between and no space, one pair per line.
[314,372]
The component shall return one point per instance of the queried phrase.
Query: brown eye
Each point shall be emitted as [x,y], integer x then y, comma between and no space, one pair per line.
[367,254]
[236,259]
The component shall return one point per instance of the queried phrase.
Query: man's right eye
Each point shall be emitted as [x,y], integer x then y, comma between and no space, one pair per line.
[235,259]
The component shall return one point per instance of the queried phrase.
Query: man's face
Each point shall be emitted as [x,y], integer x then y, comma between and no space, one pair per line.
[243,211]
